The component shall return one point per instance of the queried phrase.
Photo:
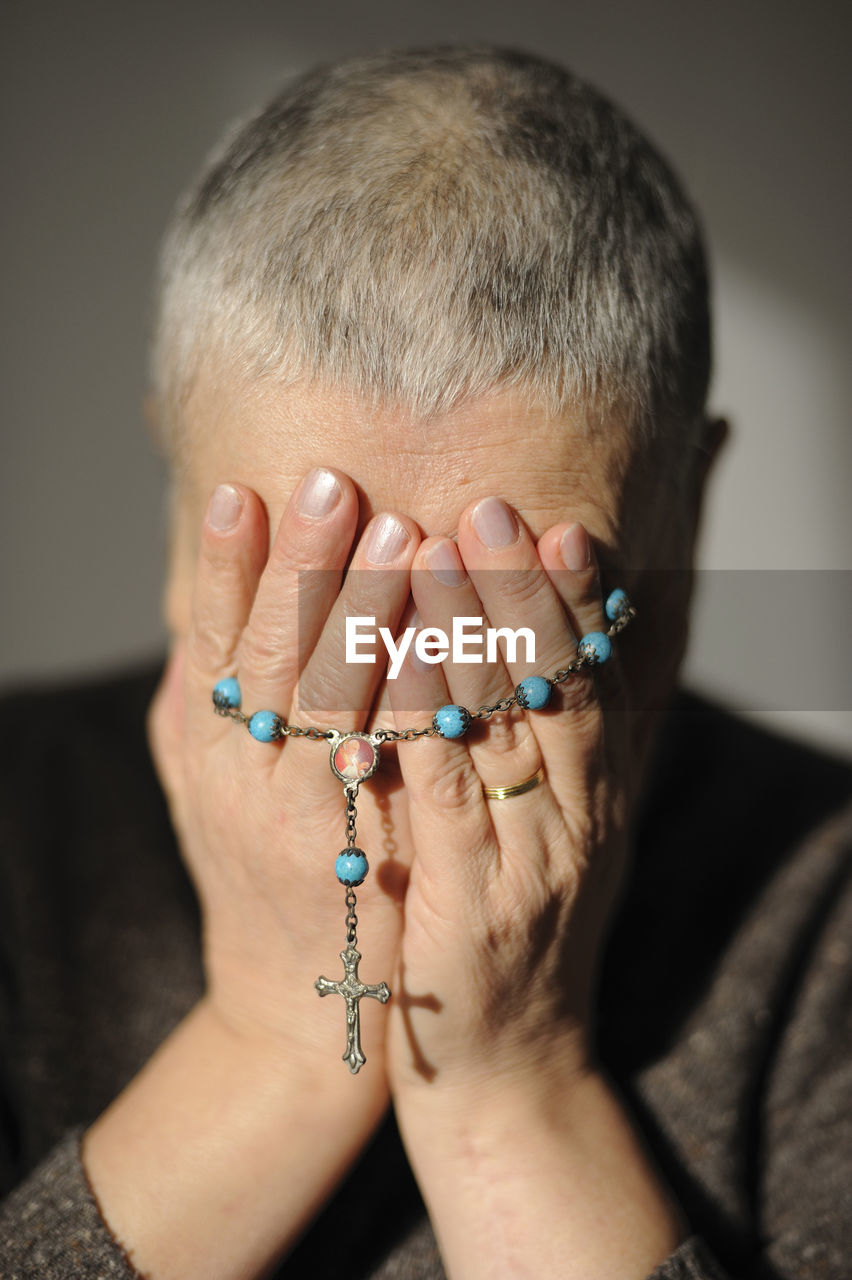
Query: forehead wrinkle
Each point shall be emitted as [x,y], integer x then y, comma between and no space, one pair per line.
[548,469]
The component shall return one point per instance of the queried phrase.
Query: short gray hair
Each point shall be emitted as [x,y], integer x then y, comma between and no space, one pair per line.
[423,227]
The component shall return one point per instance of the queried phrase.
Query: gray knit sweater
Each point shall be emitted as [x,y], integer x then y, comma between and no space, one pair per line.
[725,1000]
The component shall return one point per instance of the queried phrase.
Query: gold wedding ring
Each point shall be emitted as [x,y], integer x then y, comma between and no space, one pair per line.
[504,793]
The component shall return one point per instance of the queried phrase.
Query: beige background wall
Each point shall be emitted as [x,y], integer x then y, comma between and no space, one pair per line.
[107,107]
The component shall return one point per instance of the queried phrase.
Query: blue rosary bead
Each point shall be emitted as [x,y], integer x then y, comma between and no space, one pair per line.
[596,647]
[265,726]
[616,603]
[533,693]
[226,693]
[351,867]
[451,721]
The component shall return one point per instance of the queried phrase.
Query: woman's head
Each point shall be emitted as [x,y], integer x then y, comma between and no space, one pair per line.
[449,272]
[421,228]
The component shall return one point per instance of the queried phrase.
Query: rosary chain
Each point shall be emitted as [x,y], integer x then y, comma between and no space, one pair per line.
[624,618]
[489,709]
[351,918]
[404,735]
[351,814]
[409,735]
[311,731]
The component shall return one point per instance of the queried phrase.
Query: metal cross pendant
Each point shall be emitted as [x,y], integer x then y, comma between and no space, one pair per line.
[353,991]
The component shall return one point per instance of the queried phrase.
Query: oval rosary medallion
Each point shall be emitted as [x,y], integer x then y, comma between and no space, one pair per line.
[354,758]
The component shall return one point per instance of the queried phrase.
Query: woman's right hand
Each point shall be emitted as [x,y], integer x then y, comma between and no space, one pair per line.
[221,1150]
[260,824]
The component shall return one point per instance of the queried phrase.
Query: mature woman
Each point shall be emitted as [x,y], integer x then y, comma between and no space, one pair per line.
[434,335]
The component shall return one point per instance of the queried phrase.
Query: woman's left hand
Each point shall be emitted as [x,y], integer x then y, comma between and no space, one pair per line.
[508,899]
[526,1158]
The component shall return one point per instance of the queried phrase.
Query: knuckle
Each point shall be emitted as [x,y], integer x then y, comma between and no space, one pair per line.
[580,695]
[585,609]
[584,823]
[455,785]
[505,735]
[320,691]
[593,817]
[521,586]
[213,548]
[212,652]
[261,653]
[507,761]
[528,912]
[586,589]
[222,560]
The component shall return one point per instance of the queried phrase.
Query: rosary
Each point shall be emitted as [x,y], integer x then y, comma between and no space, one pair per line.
[354,757]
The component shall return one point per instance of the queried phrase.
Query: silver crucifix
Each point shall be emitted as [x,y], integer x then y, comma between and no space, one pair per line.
[353,990]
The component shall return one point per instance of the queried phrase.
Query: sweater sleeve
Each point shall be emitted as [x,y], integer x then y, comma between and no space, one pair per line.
[802,1127]
[806,1192]
[51,1226]
[52,1219]
[692,1261]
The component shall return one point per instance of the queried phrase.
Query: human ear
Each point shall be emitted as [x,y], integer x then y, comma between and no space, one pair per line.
[714,434]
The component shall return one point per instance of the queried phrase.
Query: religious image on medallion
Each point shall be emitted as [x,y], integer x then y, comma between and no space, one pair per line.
[354,758]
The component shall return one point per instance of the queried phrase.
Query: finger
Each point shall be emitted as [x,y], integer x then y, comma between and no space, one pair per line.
[332,690]
[501,746]
[381,714]
[568,556]
[475,838]
[232,552]
[567,553]
[520,597]
[456,845]
[446,597]
[298,587]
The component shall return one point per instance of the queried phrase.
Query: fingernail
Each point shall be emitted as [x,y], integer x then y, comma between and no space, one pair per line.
[319,494]
[494,523]
[575,548]
[225,509]
[444,564]
[387,538]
